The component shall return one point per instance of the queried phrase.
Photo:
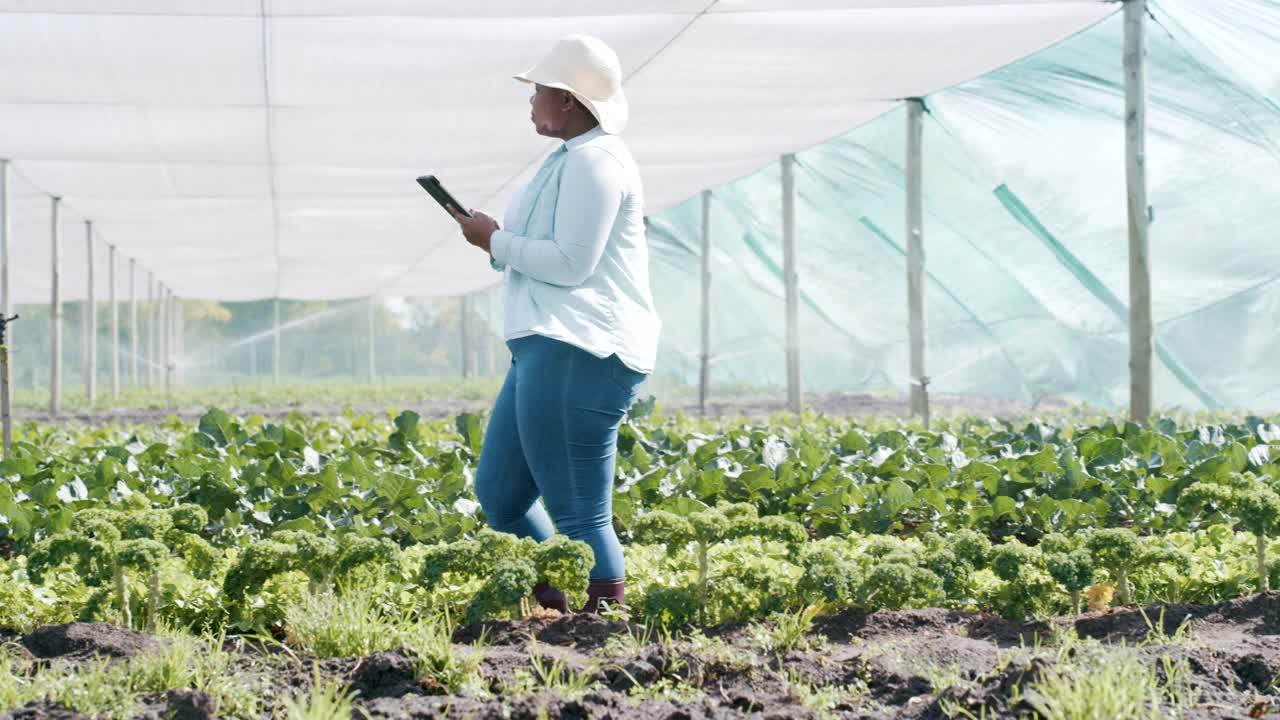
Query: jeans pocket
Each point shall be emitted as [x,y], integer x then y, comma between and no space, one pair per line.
[625,377]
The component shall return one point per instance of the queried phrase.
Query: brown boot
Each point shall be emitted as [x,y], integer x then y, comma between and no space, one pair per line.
[551,598]
[603,593]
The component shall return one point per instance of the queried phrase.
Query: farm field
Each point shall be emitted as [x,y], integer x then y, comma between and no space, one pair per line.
[312,566]
[443,399]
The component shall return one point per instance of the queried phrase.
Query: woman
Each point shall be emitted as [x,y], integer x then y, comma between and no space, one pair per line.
[580,320]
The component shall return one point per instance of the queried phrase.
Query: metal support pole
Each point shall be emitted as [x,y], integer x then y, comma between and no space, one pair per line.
[90,322]
[115,322]
[493,341]
[915,259]
[464,309]
[6,358]
[791,281]
[1141,326]
[179,339]
[275,344]
[373,354]
[704,373]
[134,352]
[166,342]
[55,314]
[480,309]
[151,329]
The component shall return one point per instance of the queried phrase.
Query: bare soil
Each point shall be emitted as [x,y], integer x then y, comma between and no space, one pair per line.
[918,664]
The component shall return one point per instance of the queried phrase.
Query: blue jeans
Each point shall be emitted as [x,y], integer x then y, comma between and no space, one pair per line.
[554,433]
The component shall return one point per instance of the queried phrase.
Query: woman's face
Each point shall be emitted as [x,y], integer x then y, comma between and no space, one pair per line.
[550,110]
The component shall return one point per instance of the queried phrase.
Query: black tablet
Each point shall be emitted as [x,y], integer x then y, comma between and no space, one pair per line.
[442,196]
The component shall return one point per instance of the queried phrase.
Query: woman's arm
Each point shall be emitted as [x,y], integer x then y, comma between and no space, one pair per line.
[591,189]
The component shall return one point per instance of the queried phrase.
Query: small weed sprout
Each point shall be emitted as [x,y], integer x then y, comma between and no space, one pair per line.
[439,666]
[1109,684]
[823,699]
[665,689]
[790,631]
[941,677]
[327,625]
[1157,635]
[561,677]
[327,700]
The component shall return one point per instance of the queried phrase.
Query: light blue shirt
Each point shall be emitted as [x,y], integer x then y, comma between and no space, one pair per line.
[574,252]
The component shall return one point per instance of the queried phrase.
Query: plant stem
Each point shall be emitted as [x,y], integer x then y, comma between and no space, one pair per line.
[122,597]
[1264,578]
[702,582]
[1125,598]
[153,600]
[1075,602]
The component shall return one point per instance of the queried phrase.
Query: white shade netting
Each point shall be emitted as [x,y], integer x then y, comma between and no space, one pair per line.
[243,150]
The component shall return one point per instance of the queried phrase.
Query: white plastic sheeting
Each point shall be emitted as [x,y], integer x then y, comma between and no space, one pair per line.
[243,149]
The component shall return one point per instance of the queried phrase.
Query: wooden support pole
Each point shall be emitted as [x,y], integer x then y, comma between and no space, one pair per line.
[151,329]
[1141,326]
[135,354]
[115,322]
[373,339]
[916,277]
[166,342]
[90,322]
[55,314]
[179,340]
[791,282]
[275,344]
[464,310]
[704,371]
[6,292]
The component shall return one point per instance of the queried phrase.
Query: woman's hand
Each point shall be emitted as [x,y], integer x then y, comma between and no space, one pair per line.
[477,229]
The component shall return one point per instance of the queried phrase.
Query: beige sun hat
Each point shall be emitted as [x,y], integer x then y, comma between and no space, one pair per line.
[588,68]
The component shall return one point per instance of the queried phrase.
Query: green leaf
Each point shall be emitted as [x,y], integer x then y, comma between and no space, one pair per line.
[709,484]
[217,426]
[326,490]
[891,439]
[20,466]
[406,432]
[395,488]
[682,505]
[17,519]
[936,473]
[1074,508]
[1003,505]
[854,441]
[1045,461]
[757,479]
[897,496]
[1260,455]
[356,471]
[983,474]
[1107,452]
[934,499]
[1158,484]
[471,428]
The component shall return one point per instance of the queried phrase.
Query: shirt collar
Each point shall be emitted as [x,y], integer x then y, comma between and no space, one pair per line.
[591,134]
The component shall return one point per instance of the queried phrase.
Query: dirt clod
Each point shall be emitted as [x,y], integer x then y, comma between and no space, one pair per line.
[384,674]
[78,640]
[42,710]
[190,705]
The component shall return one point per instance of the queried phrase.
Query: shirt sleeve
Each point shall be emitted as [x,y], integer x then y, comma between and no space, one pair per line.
[591,190]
